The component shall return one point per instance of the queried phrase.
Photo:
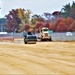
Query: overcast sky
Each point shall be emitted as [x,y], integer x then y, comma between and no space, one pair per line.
[36,6]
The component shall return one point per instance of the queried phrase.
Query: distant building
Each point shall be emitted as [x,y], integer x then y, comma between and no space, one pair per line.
[2,24]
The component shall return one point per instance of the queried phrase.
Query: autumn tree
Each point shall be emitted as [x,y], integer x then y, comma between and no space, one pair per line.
[36,18]
[62,27]
[12,21]
[38,26]
[26,27]
[56,24]
[71,27]
[51,26]
[69,20]
[46,25]
[57,14]
[16,19]
[24,15]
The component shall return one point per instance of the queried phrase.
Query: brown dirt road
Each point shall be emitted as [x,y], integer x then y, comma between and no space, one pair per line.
[50,58]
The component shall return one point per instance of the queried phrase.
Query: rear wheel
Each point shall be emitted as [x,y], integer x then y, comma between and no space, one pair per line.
[42,39]
[50,39]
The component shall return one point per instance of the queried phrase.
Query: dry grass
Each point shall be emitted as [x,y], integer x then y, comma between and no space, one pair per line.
[46,58]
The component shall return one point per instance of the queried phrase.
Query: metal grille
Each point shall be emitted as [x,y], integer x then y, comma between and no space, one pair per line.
[46,34]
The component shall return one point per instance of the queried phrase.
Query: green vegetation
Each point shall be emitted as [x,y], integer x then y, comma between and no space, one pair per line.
[68,10]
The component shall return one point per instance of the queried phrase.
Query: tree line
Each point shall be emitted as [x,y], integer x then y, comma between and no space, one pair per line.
[20,19]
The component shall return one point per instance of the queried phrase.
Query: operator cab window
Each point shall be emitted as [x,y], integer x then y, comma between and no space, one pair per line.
[29,33]
[45,29]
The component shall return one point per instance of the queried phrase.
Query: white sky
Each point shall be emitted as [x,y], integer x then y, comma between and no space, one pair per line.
[36,6]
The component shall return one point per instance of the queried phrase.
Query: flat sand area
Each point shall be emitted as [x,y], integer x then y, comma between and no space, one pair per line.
[42,58]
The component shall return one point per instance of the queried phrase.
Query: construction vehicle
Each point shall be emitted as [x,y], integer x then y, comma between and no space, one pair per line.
[29,37]
[44,34]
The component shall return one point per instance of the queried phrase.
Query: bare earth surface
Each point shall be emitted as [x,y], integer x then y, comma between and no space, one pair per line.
[46,58]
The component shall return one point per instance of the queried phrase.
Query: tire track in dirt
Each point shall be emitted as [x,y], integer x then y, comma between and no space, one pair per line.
[18,57]
[24,61]
[39,57]
[37,62]
[5,55]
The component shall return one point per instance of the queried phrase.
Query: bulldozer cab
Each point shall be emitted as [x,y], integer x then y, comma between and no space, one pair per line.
[44,29]
[29,33]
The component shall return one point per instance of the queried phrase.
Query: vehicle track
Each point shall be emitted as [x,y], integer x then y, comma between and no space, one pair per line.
[42,58]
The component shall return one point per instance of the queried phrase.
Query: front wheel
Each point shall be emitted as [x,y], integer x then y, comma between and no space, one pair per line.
[25,41]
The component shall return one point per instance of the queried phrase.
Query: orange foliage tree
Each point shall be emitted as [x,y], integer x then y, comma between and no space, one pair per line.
[46,25]
[72,27]
[57,23]
[51,27]
[26,27]
[69,20]
[38,26]
[62,27]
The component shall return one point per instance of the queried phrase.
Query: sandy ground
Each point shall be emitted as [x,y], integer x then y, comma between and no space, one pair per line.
[42,58]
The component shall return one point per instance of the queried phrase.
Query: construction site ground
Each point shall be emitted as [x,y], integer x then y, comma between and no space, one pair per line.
[42,58]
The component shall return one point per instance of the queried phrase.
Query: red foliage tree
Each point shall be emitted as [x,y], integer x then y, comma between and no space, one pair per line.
[51,27]
[72,27]
[40,19]
[12,21]
[57,23]
[39,26]
[46,25]
[56,13]
[62,27]
[69,20]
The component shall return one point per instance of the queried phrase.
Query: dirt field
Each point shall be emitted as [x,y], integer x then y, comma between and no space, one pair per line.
[46,58]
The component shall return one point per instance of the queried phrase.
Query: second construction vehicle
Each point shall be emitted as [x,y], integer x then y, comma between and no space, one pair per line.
[44,34]
[29,37]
